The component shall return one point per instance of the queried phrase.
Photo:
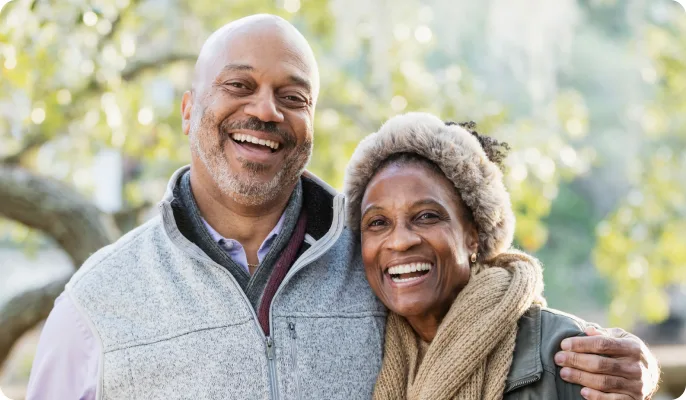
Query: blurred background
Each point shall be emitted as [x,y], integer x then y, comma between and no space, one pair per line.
[590,94]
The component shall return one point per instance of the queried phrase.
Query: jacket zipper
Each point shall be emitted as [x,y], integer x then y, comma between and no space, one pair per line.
[273,388]
[294,359]
[523,383]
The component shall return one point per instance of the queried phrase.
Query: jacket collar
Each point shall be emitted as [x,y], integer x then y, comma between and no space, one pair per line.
[526,362]
[319,201]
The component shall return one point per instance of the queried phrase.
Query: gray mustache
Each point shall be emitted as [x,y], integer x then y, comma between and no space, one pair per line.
[255,124]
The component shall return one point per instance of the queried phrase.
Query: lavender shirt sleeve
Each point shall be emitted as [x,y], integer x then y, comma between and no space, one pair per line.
[68,357]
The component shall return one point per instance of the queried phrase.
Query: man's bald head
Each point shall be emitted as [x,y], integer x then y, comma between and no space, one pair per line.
[260,29]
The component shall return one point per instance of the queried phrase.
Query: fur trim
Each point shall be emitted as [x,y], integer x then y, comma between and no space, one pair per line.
[461,158]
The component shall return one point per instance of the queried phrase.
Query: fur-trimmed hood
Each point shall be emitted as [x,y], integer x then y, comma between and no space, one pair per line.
[461,158]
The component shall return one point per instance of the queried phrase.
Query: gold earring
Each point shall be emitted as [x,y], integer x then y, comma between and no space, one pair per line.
[473,258]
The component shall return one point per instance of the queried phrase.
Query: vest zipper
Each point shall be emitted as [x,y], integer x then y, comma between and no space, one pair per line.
[294,359]
[272,368]
[326,241]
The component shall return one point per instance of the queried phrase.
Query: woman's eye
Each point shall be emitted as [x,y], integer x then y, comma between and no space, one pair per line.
[376,222]
[428,216]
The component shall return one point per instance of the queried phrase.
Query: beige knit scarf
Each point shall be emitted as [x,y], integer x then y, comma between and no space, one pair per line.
[470,356]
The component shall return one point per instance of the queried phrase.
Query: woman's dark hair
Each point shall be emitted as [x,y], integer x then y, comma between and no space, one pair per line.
[495,151]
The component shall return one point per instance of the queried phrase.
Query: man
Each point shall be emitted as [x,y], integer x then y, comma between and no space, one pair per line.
[248,285]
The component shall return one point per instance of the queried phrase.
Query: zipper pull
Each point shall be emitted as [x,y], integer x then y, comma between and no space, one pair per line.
[291,326]
[270,348]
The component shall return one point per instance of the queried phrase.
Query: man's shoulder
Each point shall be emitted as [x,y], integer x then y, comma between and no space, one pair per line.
[125,251]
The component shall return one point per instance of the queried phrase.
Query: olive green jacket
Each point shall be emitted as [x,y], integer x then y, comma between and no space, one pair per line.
[533,374]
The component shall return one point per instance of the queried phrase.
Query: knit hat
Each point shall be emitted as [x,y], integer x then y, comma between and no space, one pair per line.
[457,153]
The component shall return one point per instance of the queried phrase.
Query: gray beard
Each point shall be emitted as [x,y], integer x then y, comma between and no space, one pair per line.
[245,188]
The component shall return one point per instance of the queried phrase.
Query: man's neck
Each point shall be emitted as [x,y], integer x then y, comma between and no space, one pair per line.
[249,225]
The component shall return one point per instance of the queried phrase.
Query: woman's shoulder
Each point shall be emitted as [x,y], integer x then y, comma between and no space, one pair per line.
[555,326]
[541,331]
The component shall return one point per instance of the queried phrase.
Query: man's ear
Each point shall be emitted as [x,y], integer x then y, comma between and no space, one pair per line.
[186,111]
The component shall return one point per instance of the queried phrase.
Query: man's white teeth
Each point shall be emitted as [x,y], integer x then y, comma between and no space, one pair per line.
[407,268]
[252,139]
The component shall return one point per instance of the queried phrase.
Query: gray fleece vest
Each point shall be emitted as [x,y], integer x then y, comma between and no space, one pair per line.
[173,324]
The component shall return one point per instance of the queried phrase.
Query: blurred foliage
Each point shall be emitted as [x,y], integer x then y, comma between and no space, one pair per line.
[642,244]
[80,77]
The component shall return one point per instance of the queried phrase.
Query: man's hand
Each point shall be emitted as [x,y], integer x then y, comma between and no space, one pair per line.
[609,364]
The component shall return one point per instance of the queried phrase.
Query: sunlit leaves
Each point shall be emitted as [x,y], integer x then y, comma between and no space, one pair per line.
[641,245]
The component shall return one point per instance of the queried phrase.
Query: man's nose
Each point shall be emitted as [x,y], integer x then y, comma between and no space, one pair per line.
[402,238]
[264,107]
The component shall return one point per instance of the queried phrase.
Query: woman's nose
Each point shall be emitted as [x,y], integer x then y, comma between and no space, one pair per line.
[402,239]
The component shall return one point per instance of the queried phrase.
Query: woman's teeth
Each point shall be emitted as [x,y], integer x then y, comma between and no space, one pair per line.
[252,139]
[415,271]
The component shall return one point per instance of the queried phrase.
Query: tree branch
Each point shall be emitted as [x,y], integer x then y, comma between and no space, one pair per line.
[135,69]
[59,211]
[24,311]
[34,141]
[130,73]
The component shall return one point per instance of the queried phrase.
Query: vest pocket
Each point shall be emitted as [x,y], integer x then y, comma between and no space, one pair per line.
[294,357]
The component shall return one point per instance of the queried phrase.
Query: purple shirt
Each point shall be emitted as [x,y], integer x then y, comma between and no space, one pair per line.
[68,357]
[236,251]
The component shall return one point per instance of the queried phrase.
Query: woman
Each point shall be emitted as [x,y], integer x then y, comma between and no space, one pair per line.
[466,319]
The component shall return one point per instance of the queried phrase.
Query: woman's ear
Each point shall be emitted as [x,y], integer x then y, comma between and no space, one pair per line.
[472,239]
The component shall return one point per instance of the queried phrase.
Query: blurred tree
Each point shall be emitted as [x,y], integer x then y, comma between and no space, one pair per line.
[641,245]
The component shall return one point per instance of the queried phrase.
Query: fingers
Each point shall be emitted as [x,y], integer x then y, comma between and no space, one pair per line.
[600,344]
[593,331]
[599,365]
[592,394]
[603,383]
[611,332]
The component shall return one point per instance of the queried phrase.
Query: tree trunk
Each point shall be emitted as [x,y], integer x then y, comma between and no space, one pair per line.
[59,211]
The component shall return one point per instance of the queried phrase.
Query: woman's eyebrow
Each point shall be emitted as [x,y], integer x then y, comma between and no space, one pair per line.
[369,209]
[427,202]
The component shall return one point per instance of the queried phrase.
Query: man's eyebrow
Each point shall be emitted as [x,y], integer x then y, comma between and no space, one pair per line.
[237,67]
[298,80]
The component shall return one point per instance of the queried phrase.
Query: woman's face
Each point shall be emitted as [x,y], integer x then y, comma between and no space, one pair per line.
[416,239]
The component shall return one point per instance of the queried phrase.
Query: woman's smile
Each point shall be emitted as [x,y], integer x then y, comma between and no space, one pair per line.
[404,275]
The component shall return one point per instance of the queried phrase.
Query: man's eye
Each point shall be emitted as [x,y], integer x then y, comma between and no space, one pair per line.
[377,222]
[295,99]
[237,85]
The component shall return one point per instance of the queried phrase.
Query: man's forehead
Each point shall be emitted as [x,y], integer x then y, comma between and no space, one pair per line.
[261,43]
[259,51]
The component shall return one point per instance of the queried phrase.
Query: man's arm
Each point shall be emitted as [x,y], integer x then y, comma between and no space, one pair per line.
[611,365]
[67,359]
